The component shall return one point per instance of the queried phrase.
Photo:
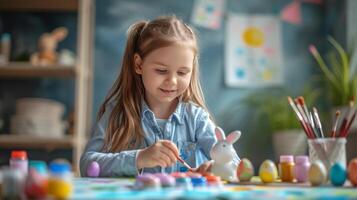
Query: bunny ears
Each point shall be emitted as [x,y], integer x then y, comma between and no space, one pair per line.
[231,138]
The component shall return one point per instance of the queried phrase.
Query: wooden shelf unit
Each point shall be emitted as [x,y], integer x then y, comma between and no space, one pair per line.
[26,70]
[23,141]
[39,5]
[81,73]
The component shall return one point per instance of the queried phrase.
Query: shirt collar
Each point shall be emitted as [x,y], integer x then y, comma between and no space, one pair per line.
[176,115]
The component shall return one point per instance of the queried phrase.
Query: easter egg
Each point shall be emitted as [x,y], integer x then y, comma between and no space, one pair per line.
[165,179]
[317,173]
[145,181]
[245,170]
[352,171]
[338,174]
[93,169]
[268,172]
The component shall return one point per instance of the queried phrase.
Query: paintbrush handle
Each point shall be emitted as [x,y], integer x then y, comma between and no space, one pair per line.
[345,133]
[184,163]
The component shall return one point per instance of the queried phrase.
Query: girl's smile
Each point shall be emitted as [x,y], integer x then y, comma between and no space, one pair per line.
[168,91]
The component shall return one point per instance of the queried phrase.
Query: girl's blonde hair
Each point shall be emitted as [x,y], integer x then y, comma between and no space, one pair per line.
[124,129]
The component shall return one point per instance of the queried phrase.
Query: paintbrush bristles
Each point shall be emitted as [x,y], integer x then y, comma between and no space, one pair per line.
[301,117]
[311,123]
[292,104]
[337,117]
[318,122]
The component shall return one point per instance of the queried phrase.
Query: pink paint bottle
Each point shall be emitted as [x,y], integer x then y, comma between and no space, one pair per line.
[18,161]
[302,166]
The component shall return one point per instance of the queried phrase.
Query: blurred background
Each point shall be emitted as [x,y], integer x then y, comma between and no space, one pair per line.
[254,54]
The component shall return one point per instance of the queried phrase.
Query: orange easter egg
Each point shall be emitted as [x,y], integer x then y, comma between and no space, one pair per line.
[352,171]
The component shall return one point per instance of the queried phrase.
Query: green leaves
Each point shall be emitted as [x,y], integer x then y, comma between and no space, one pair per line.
[272,107]
[341,84]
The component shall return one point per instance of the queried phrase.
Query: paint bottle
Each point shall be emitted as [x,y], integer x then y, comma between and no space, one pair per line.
[36,185]
[12,184]
[287,168]
[60,181]
[302,166]
[39,166]
[18,161]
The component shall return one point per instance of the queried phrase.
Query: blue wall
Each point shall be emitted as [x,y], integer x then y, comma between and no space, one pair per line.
[114,17]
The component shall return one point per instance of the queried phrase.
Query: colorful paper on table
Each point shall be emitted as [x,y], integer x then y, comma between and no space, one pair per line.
[122,188]
[253,51]
[208,13]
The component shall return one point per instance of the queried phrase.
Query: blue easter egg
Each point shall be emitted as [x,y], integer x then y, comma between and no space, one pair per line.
[338,174]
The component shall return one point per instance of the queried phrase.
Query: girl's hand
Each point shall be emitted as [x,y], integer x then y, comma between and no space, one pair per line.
[203,168]
[163,153]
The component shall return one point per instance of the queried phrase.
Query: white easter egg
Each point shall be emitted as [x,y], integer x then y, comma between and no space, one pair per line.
[317,173]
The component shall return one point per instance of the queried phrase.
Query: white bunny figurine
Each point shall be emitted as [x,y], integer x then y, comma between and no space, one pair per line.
[222,154]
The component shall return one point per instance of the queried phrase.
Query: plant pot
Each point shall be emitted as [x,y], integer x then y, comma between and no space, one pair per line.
[289,142]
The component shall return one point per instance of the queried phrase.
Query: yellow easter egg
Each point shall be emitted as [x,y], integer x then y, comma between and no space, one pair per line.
[268,172]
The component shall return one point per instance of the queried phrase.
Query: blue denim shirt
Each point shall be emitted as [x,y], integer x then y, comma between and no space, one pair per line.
[189,127]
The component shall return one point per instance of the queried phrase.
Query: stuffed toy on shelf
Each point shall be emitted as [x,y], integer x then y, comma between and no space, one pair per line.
[47,45]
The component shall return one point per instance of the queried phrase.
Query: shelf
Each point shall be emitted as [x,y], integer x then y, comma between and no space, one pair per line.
[39,5]
[81,73]
[22,141]
[26,70]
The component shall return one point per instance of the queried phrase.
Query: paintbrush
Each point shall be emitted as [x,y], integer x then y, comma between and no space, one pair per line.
[184,163]
[333,134]
[318,122]
[301,101]
[299,116]
[346,131]
[305,117]
[346,118]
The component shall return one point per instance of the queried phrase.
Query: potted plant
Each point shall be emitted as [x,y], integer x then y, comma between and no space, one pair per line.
[273,107]
[339,76]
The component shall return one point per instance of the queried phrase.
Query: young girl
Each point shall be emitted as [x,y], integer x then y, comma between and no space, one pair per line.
[155,111]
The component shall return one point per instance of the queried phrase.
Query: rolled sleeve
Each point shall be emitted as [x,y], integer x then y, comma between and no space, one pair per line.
[111,164]
[205,133]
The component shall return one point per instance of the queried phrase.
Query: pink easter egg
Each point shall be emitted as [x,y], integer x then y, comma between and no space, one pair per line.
[93,169]
[146,181]
[352,171]
[166,180]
